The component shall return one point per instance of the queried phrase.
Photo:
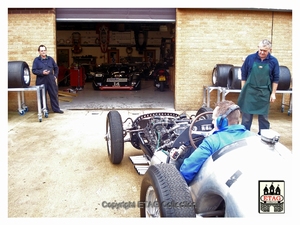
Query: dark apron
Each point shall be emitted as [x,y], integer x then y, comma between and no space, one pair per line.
[255,95]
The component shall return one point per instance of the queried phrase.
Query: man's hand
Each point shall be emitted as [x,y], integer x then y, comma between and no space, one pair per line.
[46,72]
[272,98]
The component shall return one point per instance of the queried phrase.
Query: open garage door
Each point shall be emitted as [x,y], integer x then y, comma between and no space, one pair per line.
[124,26]
[116,14]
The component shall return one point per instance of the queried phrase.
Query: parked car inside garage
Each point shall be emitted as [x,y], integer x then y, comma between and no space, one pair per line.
[116,76]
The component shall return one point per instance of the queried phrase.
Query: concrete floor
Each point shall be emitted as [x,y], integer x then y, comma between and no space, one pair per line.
[59,167]
[146,98]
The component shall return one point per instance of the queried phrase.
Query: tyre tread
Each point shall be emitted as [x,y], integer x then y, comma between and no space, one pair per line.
[170,187]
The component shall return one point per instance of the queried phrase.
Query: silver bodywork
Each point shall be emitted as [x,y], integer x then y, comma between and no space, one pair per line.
[231,175]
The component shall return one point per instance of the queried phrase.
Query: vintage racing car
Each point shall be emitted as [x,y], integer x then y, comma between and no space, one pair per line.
[235,181]
[117,76]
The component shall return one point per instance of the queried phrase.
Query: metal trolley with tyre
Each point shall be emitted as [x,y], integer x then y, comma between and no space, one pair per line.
[19,81]
[226,78]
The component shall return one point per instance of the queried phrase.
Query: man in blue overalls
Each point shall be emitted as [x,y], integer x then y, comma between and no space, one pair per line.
[260,77]
[46,71]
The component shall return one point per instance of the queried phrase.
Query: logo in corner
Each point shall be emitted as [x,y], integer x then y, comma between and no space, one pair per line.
[271,197]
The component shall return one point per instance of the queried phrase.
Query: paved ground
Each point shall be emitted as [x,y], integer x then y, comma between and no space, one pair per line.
[60,168]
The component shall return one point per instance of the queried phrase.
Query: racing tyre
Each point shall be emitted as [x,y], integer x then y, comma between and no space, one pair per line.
[284,78]
[114,138]
[164,193]
[234,78]
[18,74]
[220,74]
[205,109]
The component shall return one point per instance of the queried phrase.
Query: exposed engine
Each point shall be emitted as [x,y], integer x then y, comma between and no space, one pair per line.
[163,137]
[161,132]
[158,131]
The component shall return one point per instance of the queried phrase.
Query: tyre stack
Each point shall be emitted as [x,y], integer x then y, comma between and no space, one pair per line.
[229,76]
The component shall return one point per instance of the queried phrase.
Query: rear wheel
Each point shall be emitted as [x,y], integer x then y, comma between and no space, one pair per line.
[114,137]
[164,193]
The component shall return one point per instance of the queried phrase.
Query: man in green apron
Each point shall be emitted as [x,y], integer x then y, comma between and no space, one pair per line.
[260,76]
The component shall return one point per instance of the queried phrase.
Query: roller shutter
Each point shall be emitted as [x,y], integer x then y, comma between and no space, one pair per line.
[116,14]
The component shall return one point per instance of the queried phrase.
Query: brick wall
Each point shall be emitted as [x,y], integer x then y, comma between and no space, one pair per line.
[27,29]
[206,37]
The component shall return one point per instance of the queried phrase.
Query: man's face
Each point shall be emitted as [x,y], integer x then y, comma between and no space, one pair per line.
[263,52]
[43,52]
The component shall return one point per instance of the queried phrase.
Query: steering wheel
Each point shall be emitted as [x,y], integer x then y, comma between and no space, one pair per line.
[201,116]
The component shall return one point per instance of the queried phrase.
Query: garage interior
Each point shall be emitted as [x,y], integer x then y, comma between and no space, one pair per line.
[79,45]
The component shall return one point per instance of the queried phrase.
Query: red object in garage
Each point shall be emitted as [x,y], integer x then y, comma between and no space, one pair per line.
[77,77]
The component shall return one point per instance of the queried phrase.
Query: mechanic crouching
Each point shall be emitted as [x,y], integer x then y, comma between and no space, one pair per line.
[227,130]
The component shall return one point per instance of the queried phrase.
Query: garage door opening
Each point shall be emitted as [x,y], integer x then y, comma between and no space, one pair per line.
[89,38]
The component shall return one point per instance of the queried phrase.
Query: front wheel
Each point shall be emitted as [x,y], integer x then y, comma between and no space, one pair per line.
[114,137]
[164,193]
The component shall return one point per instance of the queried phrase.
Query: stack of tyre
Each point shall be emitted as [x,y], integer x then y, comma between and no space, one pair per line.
[18,74]
[229,76]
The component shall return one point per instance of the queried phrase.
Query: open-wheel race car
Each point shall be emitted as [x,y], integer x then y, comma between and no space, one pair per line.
[244,179]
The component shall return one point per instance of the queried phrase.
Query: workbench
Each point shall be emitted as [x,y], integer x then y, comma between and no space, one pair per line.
[22,108]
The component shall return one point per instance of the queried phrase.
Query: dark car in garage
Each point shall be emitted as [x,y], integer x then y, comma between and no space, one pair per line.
[116,76]
[100,74]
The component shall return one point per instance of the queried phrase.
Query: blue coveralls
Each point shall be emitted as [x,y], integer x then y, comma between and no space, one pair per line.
[225,136]
[38,66]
